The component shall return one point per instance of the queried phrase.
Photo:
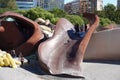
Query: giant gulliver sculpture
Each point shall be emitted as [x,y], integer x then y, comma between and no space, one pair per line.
[19,33]
[63,54]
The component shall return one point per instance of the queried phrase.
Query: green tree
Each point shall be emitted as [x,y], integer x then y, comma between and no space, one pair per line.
[58,12]
[117,17]
[75,19]
[109,11]
[11,4]
[37,12]
[8,4]
[101,13]
[3,3]
[105,22]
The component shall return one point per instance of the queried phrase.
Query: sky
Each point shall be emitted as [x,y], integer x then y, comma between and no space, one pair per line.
[105,2]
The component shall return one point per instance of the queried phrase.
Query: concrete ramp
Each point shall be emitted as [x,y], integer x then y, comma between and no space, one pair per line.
[104,45]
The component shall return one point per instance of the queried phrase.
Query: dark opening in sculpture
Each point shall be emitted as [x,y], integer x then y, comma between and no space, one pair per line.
[19,33]
[63,55]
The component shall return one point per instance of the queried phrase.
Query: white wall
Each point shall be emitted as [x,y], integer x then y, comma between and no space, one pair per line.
[104,45]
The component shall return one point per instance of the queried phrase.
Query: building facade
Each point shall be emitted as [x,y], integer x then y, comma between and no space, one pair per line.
[45,4]
[50,4]
[86,6]
[26,4]
[99,5]
[82,6]
[118,4]
[72,7]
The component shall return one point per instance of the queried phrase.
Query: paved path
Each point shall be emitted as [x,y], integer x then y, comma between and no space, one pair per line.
[91,70]
[106,70]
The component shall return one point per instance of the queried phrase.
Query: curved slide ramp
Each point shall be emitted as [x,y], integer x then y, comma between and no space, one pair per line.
[63,54]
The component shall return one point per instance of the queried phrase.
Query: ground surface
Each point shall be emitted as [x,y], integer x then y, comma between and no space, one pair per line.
[92,70]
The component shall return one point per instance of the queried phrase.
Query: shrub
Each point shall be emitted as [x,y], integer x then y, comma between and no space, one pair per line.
[54,20]
[105,22]
[2,10]
[37,12]
[75,19]
[58,12]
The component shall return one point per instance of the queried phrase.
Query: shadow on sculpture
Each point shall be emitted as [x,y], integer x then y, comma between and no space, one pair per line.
[63,54]
[19,33]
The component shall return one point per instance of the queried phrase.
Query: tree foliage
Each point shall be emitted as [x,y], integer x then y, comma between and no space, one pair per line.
[58,12]
[11,4]
[110,11]
[3,3]
[75,19]
[2,10]
[105,22]
[53,15]
[117,16]
[37,12]
[101,13]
